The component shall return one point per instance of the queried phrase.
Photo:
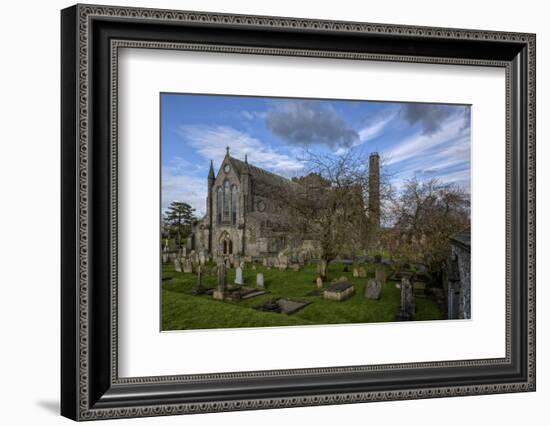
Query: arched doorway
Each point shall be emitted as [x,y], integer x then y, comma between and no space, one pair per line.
[226,244]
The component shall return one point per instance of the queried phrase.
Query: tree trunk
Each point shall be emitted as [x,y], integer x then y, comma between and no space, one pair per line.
[323,268]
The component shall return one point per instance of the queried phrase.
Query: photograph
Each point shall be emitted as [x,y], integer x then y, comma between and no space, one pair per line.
[304,212]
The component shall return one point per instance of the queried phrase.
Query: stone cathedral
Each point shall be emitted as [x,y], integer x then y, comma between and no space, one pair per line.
[241,217]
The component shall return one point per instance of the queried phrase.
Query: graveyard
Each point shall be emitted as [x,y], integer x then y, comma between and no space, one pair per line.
[288,297]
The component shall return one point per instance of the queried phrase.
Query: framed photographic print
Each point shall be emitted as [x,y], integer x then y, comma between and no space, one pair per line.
[263,212]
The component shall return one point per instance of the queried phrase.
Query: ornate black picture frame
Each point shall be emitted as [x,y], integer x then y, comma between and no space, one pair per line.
[91,36]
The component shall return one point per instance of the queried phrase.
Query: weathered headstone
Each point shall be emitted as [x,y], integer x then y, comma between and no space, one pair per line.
[239,276]
[220,291]
[253,267]
[295,267]
[319,282]
[260,280]
[407,307]
[177,265]
[188,266]
[362,272]
[355,273]
[202,258]
[373,289]
[342,279]
[198,288]
[380,275]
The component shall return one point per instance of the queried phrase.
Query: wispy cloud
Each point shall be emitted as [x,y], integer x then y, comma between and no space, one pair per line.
[211,141]
[375,127]
[177,186]
[253,115]
[443,153]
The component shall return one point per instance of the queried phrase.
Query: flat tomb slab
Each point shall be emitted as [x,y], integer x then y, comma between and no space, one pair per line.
[283,306]
[339,291]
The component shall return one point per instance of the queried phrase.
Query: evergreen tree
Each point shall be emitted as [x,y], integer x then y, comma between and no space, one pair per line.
[178,220]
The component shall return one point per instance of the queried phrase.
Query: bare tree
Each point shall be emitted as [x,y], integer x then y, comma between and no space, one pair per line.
[425,215]
[328,205]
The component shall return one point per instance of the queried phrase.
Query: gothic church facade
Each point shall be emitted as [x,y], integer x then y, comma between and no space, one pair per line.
[241,218]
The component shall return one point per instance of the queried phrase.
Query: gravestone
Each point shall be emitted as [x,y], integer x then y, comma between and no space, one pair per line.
[227,263]
[165,258]
[407,307]
[188,266]
[202,259]
[355,273]
[198,289]
[295,267]
[260,280]
[319,282]
[380,275]
[220,292]
[342,279]
[177,265]
[373,289]
[362,272]
[239,276]
[253,267]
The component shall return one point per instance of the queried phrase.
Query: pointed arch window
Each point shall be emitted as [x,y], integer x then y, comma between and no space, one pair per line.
[219,205]
[234,201]
[226,201]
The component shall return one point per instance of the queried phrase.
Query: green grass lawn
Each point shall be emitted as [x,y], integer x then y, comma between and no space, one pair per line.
[183,311]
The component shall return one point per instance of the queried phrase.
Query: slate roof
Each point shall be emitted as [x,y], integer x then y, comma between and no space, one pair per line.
[260,176]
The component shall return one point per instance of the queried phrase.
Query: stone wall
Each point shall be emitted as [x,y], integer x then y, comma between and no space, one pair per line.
[459,290]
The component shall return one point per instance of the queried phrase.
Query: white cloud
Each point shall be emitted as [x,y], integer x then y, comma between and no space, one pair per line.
[444,154]
[251,115]
[181,187]
[371,131]
[451,136]
[211,142]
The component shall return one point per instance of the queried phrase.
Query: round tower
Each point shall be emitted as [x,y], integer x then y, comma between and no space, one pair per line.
[374,189]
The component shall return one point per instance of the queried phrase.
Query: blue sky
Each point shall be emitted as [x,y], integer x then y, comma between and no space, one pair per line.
[413,139]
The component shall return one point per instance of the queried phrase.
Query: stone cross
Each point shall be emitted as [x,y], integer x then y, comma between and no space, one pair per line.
[239,276]
[221,277]
[260,280]
[407,308]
